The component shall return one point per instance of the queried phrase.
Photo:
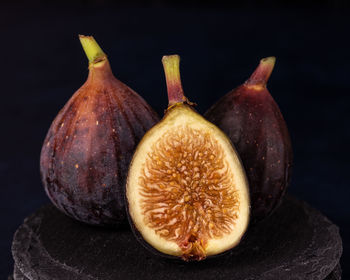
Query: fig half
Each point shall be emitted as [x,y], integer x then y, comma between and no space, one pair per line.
[251,118]
[88,148]
[187,192]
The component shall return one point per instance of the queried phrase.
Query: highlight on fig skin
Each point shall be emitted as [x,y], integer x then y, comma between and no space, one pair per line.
[255,125]
[88,148]
[187,194]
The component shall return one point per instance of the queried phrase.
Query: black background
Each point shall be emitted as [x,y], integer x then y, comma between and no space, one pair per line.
[43,64]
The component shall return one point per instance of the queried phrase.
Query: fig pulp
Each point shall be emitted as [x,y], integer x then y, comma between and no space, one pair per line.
[88,148]
[252,120]
[187,193]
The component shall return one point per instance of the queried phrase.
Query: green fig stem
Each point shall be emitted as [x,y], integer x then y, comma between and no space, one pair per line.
[262,72]
[171,64]
[92,50]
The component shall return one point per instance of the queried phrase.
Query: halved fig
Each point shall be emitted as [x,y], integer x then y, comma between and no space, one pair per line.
[187,192]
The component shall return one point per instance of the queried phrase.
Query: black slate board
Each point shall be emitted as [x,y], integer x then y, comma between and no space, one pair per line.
[335,274]
[296,242]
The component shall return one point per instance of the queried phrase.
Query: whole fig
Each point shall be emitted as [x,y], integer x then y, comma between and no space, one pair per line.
[252,120]
[88,148]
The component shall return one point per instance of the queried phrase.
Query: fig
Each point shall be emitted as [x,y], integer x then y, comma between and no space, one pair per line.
[88,148]
[254,123]
[187,193]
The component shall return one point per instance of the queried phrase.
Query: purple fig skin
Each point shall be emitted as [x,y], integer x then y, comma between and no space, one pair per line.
[252,120]
[88,148]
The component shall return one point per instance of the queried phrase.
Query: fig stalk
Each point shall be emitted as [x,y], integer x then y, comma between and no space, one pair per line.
[262,73]
[171,64]
[92,49]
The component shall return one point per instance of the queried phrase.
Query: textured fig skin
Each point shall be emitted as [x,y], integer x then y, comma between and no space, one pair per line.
[88,148]
[252,120]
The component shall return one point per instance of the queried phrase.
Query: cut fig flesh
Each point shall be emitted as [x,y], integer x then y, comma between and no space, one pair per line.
[187,191]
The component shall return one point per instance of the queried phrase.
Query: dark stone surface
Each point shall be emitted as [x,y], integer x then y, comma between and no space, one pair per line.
[17,274]
[335,274]
[297,242]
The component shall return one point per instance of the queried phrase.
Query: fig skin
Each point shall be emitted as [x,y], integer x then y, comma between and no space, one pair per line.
[88,148]
[254,123]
